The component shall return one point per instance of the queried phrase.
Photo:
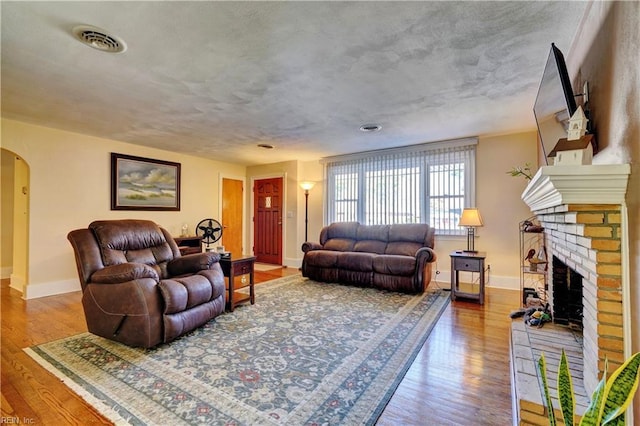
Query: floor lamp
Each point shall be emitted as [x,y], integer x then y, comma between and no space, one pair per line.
[471,219]
[306,185]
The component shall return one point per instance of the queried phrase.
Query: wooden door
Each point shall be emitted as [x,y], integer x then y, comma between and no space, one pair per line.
[232,212]
[267,220]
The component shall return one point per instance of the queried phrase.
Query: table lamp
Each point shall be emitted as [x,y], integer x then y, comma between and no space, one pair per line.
[471,219]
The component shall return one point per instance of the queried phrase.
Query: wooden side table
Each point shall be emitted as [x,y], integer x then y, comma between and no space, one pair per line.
[231,267]
[189,245]
[470,262]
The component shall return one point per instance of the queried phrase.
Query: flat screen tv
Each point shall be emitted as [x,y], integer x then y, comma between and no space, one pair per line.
[555,102]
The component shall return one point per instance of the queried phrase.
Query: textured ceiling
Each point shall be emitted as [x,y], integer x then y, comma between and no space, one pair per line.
[215,79]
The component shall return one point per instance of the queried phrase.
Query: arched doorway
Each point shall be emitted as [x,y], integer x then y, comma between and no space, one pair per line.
[15,219]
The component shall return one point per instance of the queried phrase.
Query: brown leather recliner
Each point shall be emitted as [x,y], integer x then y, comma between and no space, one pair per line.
[136,287]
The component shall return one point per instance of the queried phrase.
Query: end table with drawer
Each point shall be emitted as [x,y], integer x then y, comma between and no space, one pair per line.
[470,262]
[189,245]
[236,266]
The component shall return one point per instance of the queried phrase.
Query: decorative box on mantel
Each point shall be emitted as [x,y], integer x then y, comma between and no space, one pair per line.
[584,214]
[573,152]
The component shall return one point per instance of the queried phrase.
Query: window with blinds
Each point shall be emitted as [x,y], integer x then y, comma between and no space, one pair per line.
[428,183]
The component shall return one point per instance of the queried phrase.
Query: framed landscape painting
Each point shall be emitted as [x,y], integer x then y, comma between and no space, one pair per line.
[139,183]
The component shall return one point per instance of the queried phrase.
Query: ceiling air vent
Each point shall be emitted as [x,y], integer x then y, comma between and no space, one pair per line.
[370,128]
[99,39]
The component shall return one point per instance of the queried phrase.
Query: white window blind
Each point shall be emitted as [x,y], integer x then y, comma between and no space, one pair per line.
[427,183]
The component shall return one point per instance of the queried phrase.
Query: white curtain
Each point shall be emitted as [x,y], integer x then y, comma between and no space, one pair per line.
[426,183]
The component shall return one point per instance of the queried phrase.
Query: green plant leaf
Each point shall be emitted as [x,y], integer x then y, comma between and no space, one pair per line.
[591,415]
[620,389]
[542,370]
[618,421]
[565,390]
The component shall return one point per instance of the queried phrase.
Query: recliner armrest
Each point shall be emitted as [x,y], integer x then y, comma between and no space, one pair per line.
[308,246]
[192,263]
[123,272]
[425,255]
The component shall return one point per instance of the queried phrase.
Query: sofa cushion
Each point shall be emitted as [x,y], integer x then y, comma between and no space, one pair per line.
[339,244]
[175,296]
[403,248]
[394,265]
[373,232]
[131,240]
[370,246]
[413,232]
[353,261]
[342,230]
[322,258]
[185,292]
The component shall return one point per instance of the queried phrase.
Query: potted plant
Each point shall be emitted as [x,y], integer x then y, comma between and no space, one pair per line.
[608,402]
[524,171]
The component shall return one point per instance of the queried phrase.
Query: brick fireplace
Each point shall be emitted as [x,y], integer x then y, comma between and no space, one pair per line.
[586,238]
[583,212]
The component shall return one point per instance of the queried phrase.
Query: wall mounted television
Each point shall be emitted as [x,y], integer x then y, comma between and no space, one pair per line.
[555,102]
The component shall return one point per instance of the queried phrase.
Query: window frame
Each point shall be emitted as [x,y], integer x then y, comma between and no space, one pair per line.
[434,154]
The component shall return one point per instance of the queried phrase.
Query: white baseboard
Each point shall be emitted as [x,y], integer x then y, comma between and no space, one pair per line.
[292,263]
[494,281]
[17,282]
[5,272]
[52,288]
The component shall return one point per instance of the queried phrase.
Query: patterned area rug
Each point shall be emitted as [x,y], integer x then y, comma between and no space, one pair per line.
[305,353]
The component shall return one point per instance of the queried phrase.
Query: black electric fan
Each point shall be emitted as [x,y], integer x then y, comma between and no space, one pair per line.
[210,230]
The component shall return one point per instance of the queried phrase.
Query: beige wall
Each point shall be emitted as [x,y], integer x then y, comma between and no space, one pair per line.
[70,187]
[20,255]
[288,171]
[498,198]
[6,214]
[311,171]
[293,173]
[499,202]
[606,54]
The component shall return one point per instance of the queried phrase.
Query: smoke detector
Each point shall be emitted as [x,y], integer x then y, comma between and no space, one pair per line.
[99,39]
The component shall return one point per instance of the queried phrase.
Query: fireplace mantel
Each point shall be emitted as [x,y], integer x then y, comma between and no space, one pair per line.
[590,184]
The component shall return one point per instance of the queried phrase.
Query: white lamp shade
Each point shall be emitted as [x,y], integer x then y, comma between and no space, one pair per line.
[307,185]
[470,217]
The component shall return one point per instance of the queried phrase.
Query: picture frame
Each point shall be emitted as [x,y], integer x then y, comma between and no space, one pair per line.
[139,183]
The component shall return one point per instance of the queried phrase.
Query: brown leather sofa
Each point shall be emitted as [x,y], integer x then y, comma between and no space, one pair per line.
[391,257]
[136,287]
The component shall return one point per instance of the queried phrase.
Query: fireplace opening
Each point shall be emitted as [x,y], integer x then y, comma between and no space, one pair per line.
[567,295]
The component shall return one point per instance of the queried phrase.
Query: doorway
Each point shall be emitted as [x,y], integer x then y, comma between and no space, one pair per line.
[232,216]
[15,219]
[268,199]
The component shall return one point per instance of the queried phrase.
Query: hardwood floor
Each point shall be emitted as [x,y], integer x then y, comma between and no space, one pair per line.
[460,377]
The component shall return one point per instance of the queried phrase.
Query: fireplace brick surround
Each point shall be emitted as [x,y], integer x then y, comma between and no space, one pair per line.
[583,212]
[586,238]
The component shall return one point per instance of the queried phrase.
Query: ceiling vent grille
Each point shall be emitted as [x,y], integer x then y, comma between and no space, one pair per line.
[99,39]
